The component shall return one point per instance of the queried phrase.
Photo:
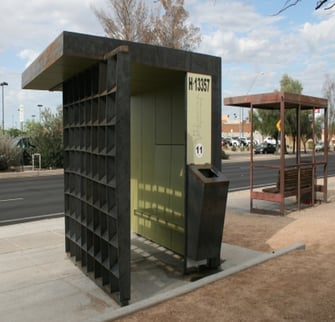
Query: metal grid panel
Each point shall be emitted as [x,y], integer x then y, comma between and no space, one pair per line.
[96,142]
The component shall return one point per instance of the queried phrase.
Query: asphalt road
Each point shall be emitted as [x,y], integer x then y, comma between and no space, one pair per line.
[237,171]
[37,197]
[31,198]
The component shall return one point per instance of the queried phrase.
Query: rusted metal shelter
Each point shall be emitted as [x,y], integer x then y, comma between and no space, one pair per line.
[296,176]
[142,148]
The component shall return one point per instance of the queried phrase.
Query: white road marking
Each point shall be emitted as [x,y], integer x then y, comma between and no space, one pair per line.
[15,199]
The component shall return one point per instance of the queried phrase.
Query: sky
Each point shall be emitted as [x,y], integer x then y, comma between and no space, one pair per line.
[256,46]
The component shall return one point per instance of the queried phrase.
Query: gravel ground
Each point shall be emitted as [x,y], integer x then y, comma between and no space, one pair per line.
[298,286]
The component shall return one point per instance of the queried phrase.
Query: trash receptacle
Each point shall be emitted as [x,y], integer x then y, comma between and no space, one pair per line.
[206,208]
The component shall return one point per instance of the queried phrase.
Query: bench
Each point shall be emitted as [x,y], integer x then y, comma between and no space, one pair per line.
[304,194]
[291,182]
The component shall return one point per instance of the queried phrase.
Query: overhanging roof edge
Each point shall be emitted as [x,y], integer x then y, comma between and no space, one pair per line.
[51,68]
[71,53]
[274,98]
[48,57]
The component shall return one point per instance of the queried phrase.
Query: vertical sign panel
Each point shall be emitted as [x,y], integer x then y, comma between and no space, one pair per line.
[199,118]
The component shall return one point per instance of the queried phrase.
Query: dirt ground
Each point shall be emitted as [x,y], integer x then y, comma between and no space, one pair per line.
[298,286]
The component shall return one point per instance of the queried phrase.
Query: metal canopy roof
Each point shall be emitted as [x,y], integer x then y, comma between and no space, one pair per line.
[272,101]
[65,57]
[72,53]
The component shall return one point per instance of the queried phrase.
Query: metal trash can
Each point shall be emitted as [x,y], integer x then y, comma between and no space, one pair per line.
[206,207]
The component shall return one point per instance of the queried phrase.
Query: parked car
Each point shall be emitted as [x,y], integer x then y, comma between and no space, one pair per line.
[225,141]
[256,142]
[245,141]
[270,140]
[319,147]
[234,141]
[265,148]
[230,141]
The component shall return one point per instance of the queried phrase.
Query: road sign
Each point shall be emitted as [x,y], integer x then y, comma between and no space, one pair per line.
[278,125]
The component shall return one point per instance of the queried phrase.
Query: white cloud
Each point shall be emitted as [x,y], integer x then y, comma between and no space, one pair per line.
[28,27]
[252,42]
[29,55]
[248,41]
[35,23]
[319,35]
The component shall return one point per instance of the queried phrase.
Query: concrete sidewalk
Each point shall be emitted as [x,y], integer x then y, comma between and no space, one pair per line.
[38,282]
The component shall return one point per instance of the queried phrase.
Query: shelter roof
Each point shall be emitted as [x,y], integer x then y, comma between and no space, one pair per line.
[72,53]
[272,101]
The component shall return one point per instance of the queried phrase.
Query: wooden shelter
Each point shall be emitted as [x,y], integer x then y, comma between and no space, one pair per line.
[299,175]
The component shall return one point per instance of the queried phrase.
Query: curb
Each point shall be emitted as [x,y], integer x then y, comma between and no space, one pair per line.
[30,173]
[29,219]
[132,308]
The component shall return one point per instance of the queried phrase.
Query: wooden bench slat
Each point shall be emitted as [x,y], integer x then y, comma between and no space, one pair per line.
[291,182]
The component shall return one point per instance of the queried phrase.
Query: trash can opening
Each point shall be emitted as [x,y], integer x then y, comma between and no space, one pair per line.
[208,173]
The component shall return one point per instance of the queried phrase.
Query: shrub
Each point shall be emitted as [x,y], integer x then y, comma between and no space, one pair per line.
[10,154]
[224,155]
[47,137]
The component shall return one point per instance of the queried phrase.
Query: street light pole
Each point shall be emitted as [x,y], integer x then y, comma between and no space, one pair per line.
[249,89]
[3,84]
[39,111]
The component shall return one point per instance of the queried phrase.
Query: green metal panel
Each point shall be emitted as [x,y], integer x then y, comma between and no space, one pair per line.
[135,156]
[177,178]
[163,118]
[147,151]
[158,129]
[178,120]
[162,170]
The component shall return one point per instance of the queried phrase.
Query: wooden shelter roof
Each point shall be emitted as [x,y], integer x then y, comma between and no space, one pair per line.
[272,101]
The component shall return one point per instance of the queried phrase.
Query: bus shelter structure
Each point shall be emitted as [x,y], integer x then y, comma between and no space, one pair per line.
[300,176]
[142,152]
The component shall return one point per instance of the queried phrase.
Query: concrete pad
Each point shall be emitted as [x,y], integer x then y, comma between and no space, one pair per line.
[39,282]
[235,255]
[249,259]
[36,240]
[7,246]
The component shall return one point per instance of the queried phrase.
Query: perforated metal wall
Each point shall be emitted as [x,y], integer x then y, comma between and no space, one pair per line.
[97,172]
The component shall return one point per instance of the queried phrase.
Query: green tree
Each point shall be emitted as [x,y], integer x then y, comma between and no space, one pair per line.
[47,137]
[132,20]
[290,85]
[13,132]
[265,121]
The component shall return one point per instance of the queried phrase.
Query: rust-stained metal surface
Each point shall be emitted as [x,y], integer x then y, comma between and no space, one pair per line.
[272,101]
[72,53]
[282,101]
[65,57]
